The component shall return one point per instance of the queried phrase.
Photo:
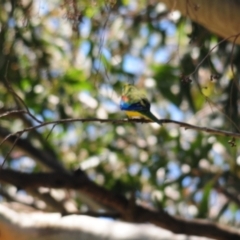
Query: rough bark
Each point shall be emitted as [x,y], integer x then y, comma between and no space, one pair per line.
[52,226]
[221,17]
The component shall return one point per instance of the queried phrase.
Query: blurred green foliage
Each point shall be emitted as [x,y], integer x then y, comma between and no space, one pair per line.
[69,60]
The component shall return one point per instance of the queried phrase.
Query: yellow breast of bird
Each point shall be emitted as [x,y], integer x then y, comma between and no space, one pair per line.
[132,114]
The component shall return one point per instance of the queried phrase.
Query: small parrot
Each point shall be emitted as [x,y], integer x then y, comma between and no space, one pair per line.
[135,103]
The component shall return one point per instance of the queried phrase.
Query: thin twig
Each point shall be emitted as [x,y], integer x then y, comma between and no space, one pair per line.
[18,98]
[10,89]
[235,36]
[124,121]
[13,145]
[12,112]
[54,125]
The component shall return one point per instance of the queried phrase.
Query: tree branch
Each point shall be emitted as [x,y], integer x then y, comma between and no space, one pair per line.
[79,181]
[123,121]
[38,155]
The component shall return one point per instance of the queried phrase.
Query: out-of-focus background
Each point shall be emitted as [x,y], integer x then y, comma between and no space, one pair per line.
[69,59]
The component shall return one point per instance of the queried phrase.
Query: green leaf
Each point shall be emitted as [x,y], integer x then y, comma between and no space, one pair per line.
[204,204]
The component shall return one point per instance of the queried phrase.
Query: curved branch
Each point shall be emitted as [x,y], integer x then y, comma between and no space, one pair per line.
[139,214]
[122,121]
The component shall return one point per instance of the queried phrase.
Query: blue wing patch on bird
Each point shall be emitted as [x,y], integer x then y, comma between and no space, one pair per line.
[134,106]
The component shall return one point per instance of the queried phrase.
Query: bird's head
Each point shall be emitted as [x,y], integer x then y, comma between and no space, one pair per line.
[127,89]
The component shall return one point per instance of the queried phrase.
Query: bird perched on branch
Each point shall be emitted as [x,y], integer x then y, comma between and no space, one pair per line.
[136,105]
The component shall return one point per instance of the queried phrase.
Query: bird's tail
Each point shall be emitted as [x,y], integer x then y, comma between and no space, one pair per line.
[152,117]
